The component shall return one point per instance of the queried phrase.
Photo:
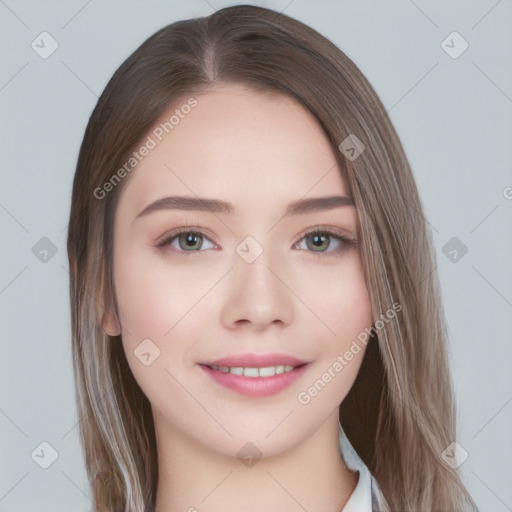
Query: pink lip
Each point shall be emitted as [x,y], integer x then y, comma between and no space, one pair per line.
[255,386]
[256,360]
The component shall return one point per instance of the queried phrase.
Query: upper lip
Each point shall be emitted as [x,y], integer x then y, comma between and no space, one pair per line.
[254,360]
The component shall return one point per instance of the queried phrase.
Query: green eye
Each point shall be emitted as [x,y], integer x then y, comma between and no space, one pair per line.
[187,241]
[319,242]
[190,242]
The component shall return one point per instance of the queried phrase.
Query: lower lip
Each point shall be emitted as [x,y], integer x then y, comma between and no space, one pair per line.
[255,386]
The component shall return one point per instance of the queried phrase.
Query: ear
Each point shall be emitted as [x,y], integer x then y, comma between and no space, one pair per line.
[110,324]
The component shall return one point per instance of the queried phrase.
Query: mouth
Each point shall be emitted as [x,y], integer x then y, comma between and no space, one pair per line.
[255,375]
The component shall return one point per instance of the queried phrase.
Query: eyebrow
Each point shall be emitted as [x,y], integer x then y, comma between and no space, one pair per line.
[302,206]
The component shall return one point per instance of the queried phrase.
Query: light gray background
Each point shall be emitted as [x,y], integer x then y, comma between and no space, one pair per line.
[454,119]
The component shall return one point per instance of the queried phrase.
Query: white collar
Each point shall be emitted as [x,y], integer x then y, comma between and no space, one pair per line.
[365,495]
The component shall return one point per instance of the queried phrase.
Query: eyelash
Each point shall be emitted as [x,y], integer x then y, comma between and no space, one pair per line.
[344,240]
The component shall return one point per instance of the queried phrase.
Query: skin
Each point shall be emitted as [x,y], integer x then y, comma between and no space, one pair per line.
[260,152]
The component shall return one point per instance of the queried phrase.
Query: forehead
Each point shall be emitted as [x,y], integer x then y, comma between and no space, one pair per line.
[251,148]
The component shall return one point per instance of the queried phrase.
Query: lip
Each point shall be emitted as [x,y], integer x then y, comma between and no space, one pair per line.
[256,386]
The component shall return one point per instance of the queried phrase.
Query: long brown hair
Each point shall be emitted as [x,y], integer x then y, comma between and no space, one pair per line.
[399,414]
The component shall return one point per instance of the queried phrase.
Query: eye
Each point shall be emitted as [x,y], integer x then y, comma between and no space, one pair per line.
[185,240]
[321,241]
[325,242]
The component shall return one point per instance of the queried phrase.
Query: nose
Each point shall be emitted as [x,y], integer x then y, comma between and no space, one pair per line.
[256,295]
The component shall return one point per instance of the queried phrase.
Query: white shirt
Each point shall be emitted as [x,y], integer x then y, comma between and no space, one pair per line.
[367,495]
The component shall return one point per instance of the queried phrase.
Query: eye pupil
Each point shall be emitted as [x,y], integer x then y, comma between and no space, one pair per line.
[191,240]
[319,239]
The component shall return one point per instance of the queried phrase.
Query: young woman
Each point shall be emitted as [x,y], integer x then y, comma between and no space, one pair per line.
[256,324]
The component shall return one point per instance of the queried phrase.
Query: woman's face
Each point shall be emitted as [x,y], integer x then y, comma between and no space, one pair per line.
[245,280]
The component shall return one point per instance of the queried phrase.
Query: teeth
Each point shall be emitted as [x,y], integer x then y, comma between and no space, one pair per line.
[251,372]
[268,371]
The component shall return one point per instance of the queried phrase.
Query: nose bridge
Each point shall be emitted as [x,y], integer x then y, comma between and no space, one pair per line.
[255,294]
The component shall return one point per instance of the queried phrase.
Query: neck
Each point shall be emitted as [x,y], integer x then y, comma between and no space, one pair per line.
[312,476]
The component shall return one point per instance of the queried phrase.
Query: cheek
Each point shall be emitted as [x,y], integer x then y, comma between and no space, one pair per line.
[153,296]
[159,302]
[341,300]
[344,306]
[338,295]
